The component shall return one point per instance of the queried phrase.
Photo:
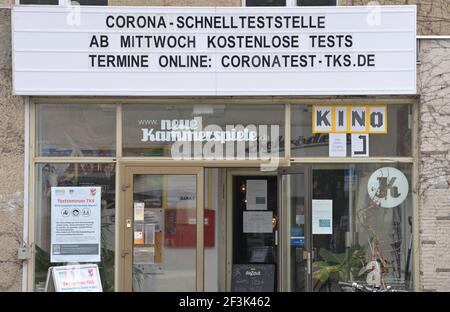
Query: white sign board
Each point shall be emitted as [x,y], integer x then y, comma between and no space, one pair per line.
[77,278]
[256,195]
[337,146]
[158,51]
[360,145]
[388,186]
[257,222]
[75,224]
[322,216]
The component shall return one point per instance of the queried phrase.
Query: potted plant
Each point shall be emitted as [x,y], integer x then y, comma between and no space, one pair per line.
[339,266]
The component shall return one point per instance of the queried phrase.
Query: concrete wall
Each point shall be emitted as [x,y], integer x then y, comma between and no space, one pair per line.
[11,166]
[434,87]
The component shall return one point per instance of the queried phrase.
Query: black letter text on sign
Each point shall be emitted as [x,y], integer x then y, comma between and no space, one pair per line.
[360,145]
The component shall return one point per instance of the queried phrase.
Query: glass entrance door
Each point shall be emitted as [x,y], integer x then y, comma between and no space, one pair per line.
[296,228]
[254,233]
[163,238]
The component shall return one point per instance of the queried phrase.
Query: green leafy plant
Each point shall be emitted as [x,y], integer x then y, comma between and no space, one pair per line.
[339,266]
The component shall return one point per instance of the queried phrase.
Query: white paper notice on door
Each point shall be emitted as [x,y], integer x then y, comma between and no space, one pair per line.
[256,195]
[322,216]
[139,209]
[257,222]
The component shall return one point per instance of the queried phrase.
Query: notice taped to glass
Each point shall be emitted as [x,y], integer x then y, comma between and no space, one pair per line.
[75,228]
[132,51]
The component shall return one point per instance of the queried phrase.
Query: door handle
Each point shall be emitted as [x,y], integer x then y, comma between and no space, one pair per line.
[308,262]
[307,257]
[125,252]
[276,238]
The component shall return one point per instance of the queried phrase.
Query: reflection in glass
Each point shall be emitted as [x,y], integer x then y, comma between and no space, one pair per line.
[63,174]
[295,210]
[369,243]
[397,142]
[147,129]
[164,232]
[76,130]
[250,3]
[316,2]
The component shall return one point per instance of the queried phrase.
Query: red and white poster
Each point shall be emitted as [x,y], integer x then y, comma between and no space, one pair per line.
[78,278]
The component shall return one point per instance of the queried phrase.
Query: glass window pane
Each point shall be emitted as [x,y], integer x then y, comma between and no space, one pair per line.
[397,142]
[51,2]
[294,206]
[265,3]
[63,174]
[316,2]
[92,2]
[364,227]
[76,130]
[55,2]
[164,240]
[213,240]
[204,131]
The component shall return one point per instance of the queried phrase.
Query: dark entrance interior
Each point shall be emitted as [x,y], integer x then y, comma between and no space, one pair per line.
[254,248]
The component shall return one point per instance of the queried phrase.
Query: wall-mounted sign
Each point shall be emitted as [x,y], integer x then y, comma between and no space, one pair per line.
[75,228]
[136,51]
[349,119]
[388,186]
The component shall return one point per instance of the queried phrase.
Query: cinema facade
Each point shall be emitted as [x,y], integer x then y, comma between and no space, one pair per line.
[229,148]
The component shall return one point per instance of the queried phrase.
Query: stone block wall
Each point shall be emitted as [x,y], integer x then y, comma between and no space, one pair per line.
[434,173]
[11,165]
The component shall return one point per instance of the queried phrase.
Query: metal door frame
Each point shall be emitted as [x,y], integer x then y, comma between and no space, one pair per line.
[284,254]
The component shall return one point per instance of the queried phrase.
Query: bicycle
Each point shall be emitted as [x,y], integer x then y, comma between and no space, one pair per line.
[356,287]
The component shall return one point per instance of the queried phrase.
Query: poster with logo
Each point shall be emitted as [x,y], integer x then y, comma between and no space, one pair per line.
[75,224]
[79,278]
[388,187]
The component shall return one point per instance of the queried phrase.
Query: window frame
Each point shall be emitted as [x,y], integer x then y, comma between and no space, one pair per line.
[60,3]
[287,160]
[289,3]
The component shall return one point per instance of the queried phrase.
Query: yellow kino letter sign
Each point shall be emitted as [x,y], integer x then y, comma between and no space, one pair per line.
[370,119]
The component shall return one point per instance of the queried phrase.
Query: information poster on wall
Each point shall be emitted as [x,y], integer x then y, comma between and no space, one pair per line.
[257,222]
[322,216]
[256,195]
[78,278]
[75,224]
